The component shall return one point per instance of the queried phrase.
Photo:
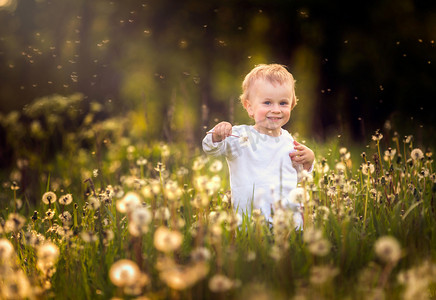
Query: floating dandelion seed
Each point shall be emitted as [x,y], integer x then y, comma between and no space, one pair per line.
[166,240]
[388,249]
[124,273]
[49,198]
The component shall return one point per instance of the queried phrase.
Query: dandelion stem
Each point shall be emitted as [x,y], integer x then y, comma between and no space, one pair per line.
[366,199]
[210,132]
[380,158]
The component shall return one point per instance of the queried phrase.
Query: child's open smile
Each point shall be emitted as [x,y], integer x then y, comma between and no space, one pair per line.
[270,106]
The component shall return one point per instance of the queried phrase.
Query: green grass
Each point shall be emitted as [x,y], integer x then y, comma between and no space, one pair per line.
[348,209]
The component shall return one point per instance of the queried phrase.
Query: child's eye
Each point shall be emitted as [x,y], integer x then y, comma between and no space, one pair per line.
[267,102]
[283,103]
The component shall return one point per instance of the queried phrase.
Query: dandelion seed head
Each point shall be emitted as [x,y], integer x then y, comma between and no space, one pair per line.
[49,198]
[343,151]
[167,240]
[48,252]
[312,235]
[216,166]
[129,202]
[6,249]
[298,195]
[407,139]
[66,218]
[220,283]
[321,274]
[199,163]
[320,247]
[367,168]
[417,154]
[388,249]
[49,214]
[14,223]
[200,254]
[124,272]
[172,190]
[88,236]
[66,199]
[93,203]
[141,161]
[162,213]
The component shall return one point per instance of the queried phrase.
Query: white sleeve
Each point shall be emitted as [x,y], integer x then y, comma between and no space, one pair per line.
[213,148]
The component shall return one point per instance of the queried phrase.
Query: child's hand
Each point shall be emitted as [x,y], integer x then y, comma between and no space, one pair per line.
[303,156]
[221,131]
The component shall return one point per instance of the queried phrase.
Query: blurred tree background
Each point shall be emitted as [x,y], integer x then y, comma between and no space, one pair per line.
[176,66]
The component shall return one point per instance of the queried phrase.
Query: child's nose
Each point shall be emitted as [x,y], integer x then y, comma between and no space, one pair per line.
[275,108]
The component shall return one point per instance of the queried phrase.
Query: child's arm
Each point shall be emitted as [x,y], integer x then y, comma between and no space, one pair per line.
[213,143]
[221,131]
[303,156]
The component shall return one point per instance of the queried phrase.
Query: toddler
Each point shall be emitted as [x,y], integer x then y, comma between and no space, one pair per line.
[263,158]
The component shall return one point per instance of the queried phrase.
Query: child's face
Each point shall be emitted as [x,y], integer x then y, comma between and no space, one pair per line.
[270,106]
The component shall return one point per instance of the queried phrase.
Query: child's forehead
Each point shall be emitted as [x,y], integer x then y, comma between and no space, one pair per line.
[259,82]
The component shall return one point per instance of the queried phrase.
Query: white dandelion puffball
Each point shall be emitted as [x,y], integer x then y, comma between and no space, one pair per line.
[388,249]
[49,198]
[124,273]
[166,240]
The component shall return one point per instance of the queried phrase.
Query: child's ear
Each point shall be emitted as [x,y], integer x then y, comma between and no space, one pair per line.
[248,108]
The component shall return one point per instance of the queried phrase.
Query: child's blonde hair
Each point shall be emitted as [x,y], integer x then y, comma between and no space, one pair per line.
[273,73]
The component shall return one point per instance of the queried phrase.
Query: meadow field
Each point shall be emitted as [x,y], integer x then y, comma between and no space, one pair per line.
[91,211]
